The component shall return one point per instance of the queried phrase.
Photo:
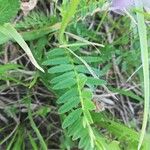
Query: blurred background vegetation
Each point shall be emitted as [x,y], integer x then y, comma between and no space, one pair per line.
[99,43]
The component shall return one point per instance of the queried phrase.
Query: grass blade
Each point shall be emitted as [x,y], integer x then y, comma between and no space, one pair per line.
[67,17]
[11,32]
[43,144]
[33,143]
[144,54]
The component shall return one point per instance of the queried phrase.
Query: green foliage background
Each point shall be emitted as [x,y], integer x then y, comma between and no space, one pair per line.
[77,57]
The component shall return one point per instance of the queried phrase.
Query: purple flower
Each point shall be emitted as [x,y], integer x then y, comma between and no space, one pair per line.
[120,6]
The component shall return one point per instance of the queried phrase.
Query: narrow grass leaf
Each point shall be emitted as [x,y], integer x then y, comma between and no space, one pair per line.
[127,93]
[33,143]
[145,62]
[19,140]
[36,130]
[11,32]
[12,141]
[7,67]
[69,13]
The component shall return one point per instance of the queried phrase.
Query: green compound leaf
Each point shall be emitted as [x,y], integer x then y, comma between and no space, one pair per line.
[61,68]
[73,102]
[68,95]
[67,83]
[63,77]
[71,118]
[8,9]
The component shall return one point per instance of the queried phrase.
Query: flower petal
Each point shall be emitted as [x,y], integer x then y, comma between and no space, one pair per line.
[120,6]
